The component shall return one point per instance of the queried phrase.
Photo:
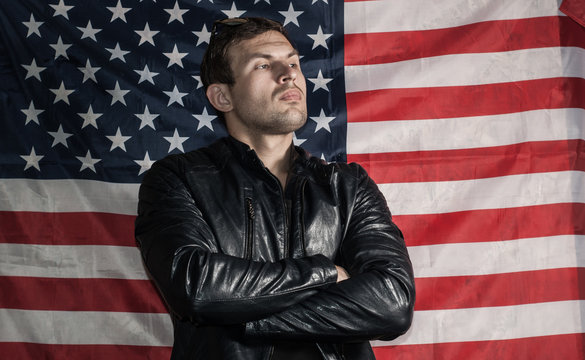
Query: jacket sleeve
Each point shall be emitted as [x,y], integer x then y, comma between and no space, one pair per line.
[376,302]
[197,281]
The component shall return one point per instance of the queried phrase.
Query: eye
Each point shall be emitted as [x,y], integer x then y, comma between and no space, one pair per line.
[262,66]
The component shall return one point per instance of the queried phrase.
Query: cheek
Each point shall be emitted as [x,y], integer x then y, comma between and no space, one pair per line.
[302,83]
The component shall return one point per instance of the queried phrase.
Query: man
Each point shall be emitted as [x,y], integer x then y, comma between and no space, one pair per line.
[261,251]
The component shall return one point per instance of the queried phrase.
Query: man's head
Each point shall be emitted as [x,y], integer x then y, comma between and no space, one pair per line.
[252,75]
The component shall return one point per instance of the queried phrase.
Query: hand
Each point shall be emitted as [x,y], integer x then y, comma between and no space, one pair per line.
[341,274]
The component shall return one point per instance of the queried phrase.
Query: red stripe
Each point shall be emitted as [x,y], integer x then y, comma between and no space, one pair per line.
[80,228]
[457,292]
[554,347]
[493,224]
[80,295]
[575,9]
[462,101]
[432,293]
[482,37]
[14,350]
[478,163]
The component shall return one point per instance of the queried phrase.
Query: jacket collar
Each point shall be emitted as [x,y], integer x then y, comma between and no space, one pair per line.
[305,165]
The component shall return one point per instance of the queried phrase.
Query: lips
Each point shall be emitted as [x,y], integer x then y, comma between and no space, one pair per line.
[291,95]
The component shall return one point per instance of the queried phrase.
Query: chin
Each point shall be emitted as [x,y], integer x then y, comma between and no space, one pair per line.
[296,120]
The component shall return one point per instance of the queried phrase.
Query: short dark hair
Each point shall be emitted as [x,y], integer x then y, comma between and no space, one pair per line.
[215,67]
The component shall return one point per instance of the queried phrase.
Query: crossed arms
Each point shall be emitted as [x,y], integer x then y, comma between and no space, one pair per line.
[294,298]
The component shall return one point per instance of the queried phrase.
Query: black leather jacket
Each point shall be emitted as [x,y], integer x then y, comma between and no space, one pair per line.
[243,265]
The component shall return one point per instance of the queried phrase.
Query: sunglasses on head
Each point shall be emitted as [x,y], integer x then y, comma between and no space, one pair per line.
[231,22]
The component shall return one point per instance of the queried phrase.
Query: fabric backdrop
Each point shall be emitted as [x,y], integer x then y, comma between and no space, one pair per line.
[469,114]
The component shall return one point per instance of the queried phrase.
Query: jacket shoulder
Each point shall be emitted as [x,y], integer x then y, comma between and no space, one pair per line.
[336,171]
[353,169]
[171,170]
[209,157]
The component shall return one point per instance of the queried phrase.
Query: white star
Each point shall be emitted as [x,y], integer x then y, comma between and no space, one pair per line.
[33,70]
[117,53]
[89,118]
[319,38]
[146,35]
[203,36]
[60,137]
[320,82]
[176,141]
[61,94]
[87,162]
[257,1]
[233,12]
[33,26]
[118,94]
[199,82]
[176,13]
[175,96]
[146,74]
[314,1]
[89,31]
[146,118]
[60,48]
[322,121]
[204,119]
[118,140]
[89,71]
[291,15]
[175,57]
[144,164]
[32,160]
[297,141]
[31,113]
[118,12]
[61,9]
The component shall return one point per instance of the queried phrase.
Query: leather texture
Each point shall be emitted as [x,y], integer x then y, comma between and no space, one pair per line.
[243,264]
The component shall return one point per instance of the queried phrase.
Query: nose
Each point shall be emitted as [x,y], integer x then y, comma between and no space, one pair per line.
[287,73]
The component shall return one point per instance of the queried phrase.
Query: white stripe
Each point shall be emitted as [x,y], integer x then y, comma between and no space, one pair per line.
[113,262]
[403,198]
[493,323]
[71,261]
[68,196]
[84,327]
[465,132]
[484,258]
[490,193]
[468,69]
[409,15]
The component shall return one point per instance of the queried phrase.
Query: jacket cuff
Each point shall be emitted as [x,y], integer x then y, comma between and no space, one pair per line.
[329,270]
[329,274]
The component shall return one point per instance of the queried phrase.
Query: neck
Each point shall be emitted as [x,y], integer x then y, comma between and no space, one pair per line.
[275,151]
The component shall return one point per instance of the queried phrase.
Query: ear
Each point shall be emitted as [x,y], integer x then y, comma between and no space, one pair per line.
[219,97]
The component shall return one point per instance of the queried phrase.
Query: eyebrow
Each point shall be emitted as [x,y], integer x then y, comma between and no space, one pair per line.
[252,56]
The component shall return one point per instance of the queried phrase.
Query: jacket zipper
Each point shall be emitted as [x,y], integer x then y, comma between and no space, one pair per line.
[250,228]
[285,209]
[286,229]
[271,353]
[302,215]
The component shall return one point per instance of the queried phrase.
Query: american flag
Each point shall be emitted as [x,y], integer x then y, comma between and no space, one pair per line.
[469,114]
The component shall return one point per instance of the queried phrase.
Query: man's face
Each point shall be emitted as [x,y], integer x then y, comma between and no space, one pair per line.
[268,95]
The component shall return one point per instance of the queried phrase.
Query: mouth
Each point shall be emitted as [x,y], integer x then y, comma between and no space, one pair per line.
[291,95]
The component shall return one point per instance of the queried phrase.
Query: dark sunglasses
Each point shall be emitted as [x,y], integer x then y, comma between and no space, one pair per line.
[231,22]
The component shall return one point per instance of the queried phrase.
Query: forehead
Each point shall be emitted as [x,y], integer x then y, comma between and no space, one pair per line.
[268,43]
